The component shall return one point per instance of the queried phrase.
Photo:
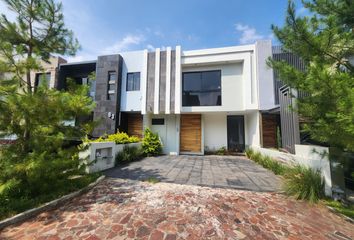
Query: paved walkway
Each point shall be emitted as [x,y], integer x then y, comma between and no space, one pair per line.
[213,171]
[125,209]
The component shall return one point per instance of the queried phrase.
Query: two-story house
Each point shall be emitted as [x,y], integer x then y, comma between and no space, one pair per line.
[195,100]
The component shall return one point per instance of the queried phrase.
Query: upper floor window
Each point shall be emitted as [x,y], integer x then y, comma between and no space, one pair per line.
[112,78]
[201,88]
[42,79]
[133,81]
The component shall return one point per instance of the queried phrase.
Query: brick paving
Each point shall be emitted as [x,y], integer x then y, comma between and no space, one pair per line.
[127,209]
[214,171]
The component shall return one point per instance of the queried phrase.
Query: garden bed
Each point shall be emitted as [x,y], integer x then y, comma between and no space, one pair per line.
[9,207]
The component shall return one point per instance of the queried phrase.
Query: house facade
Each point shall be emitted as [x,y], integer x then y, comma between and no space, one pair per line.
[197,101]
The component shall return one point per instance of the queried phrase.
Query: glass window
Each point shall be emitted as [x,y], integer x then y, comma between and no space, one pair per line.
[111,87]
[43,79]
[112,76]
[157,121]
[133,81]
[201,88]
[110,96]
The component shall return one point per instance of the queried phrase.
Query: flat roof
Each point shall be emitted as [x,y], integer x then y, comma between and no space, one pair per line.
[78,63]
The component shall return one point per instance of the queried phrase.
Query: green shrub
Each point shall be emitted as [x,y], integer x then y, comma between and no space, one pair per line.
[15,199]
[347,210]
[267,162]
[304,183]
[129,154]
[301,182]
[257,157]
[249,153]
[151,143]
[221,151]
[118,138]
[152,180]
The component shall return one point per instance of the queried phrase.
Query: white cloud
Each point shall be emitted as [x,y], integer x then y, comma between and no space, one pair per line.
[124,44]
[248,34]
[150,47]
[80,57]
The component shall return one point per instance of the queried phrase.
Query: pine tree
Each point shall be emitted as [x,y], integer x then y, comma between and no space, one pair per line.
[324,40]
[42,159]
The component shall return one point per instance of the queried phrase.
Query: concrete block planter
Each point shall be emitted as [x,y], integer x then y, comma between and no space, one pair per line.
[101,155]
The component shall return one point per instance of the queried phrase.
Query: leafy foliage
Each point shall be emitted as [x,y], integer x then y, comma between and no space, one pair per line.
[221,151]
[40,164]
[324,40]
[347,210]
[10,205]
[267,162]
[118,138]
[152,180]
[304,183]
[129,154]
[151,143]
[38,32]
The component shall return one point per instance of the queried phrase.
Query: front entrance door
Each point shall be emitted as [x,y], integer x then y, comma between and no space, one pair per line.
[191,133]
[236,133]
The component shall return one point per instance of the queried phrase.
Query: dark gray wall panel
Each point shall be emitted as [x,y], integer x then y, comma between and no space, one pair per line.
[150,83]
[104,65]
[173,80]
[290,129]
[162,93]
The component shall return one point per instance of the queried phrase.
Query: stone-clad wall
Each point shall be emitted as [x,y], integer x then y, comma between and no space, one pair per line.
[107,125]
[163,78]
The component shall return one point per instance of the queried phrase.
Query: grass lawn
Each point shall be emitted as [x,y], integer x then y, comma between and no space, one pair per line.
[10,207]
[345,210]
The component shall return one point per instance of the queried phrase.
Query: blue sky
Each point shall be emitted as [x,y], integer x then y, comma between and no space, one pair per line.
[112,26]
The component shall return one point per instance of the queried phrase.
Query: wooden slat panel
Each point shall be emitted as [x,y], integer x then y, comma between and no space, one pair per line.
[135,125]
[269,128]
[190,134]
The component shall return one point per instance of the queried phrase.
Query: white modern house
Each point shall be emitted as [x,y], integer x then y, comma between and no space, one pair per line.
[207,99]
[199,100]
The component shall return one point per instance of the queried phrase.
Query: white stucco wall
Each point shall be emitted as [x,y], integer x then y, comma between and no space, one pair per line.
[264,75]
[215,131]
[167,132]
[252,129]
[132,62]
[232,92]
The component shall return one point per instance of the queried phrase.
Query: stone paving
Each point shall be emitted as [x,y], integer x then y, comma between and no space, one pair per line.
[214,171]
[127,209]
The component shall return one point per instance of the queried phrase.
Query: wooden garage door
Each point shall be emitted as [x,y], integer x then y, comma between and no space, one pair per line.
[191,133]
[135,124]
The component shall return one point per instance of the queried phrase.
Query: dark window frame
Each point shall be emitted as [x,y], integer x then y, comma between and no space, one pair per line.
[157,121]
[39,74]
[135,86]
[110,96]
[201,74]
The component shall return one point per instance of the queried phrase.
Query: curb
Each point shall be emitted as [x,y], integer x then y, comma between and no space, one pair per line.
[346,218]
[47,206]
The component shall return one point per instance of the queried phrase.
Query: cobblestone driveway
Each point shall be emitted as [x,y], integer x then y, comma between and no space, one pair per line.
[213,171]
[126,209]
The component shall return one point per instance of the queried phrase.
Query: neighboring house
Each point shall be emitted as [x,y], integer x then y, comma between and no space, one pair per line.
[195,100]
[48,75]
